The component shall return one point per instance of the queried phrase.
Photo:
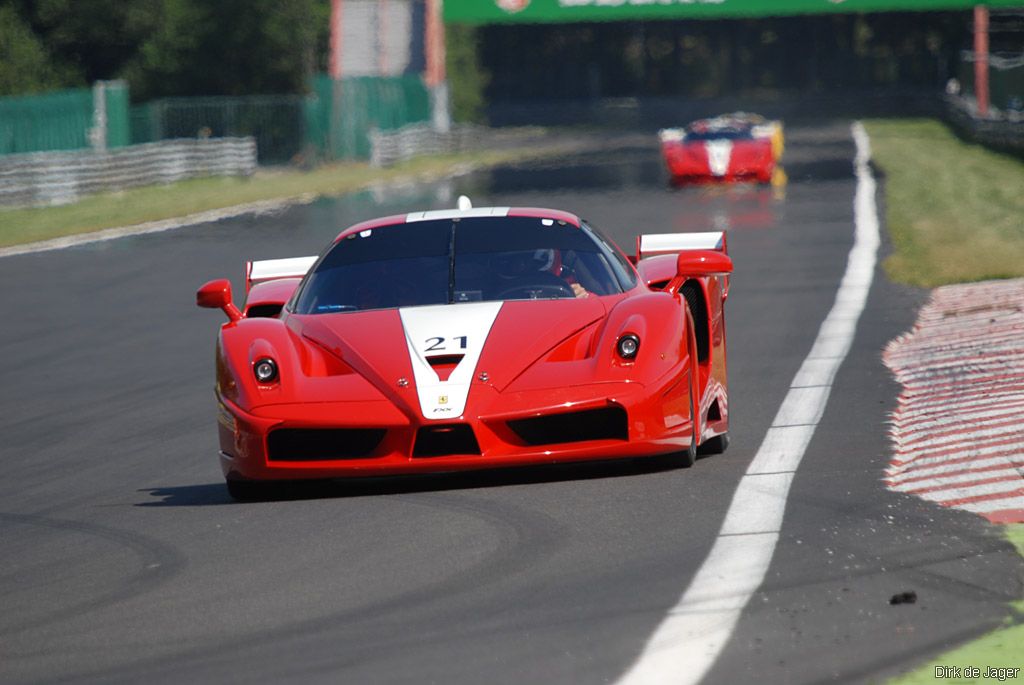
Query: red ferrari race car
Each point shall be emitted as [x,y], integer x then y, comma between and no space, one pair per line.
[731,147]
[467,339]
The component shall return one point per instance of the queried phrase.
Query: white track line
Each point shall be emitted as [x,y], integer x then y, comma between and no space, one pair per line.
[690,638]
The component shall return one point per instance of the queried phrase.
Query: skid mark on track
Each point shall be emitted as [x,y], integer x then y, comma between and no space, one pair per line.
[155,564]
[959,424]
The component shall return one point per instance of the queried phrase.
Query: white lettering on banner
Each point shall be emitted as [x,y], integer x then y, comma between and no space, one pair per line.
[619,3]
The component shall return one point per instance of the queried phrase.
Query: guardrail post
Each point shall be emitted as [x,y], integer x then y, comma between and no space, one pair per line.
[98,132]
[981,92]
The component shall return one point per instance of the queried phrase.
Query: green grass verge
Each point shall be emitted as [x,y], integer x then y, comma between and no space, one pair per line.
[152,203]
[955,213]
[955,210]
[1001,648]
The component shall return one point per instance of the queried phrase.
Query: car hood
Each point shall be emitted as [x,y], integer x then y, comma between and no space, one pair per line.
[442,350]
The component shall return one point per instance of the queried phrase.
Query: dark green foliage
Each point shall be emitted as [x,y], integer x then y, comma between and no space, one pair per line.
[163,47]
[467,77]
[25,65]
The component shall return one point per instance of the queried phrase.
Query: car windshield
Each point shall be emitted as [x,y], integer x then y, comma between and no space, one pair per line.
[720,134]
[469,259]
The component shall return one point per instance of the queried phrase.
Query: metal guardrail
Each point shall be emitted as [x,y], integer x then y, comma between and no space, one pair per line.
[390,147]
[55,178]
[1002,130]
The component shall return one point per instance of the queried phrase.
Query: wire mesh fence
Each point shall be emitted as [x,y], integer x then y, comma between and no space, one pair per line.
[277,122]
[333,122]
[343,113]
[52,121]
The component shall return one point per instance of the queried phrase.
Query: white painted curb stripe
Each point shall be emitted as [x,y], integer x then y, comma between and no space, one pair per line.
[968,466]
[960,479]
[959,426]
[971,491]
[696,629]
[1003,504]
[976,449]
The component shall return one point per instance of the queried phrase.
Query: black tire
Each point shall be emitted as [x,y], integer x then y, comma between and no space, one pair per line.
[688,457]
[683,459]
[715,445]
[251,491]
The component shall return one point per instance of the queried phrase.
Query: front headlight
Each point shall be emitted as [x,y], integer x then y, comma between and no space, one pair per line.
[265,370]
[628,345]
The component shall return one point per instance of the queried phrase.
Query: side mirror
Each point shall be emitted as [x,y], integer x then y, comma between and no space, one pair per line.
[703,263]
[217,295]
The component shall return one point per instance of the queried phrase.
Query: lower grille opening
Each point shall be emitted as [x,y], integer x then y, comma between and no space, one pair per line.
[607,423]
[322,444]
[446,439]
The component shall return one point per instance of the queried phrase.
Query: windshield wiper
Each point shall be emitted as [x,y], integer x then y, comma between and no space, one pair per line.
[451,264]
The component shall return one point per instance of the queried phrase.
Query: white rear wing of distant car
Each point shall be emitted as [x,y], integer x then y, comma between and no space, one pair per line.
[274,269]
[673,243]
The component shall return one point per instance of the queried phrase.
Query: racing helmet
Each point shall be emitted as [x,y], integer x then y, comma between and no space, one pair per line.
[510,265]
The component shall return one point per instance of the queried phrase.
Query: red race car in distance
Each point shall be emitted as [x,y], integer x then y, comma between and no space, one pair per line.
[468,339]
[730,147]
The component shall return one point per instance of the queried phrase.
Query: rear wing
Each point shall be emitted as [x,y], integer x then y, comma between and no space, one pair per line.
[673,243]
[274,269]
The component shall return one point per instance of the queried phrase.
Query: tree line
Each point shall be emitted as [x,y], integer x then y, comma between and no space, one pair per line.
[163,47]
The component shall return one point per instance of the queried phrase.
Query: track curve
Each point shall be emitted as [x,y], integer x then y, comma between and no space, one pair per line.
[553,575]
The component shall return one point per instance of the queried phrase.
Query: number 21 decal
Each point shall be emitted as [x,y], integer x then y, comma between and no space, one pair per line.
[437,343]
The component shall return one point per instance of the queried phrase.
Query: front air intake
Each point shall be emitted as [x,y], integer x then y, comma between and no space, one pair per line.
[606,423]
[445,440]
[322,444]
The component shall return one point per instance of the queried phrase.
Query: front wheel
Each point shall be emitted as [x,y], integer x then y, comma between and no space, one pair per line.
[683,459]
[715,445]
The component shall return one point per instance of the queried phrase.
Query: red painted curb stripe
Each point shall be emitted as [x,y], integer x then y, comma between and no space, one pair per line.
[959,419]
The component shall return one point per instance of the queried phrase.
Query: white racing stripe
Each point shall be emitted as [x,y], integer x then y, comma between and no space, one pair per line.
[719,152]
[447,330]
[696,629]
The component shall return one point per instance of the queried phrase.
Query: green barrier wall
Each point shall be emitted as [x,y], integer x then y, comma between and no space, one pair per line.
[565,11]
[59,120]
[333,123]
[340,114]
[62,120]
[118,129]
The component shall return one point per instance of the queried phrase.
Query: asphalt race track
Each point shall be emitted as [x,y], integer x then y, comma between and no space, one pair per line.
[124,560]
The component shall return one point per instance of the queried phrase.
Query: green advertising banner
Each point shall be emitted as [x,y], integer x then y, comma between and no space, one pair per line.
[567,11]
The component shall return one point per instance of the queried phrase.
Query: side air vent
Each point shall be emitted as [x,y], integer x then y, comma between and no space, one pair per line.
[322,444]
[607,423]
[265,311]
[444,440]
